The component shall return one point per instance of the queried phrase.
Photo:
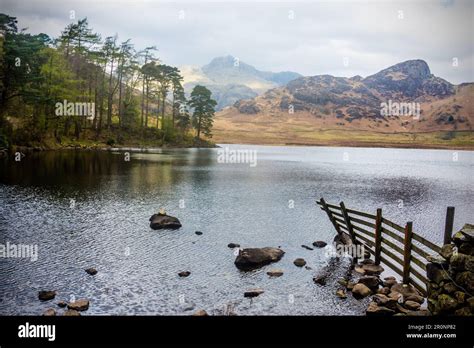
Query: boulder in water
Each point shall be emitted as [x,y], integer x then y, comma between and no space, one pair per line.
[162,221]
[251,258]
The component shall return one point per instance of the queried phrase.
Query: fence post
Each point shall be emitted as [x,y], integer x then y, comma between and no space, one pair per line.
[348,222]
[448,229]
[407,252]
[326,209]
[378,236]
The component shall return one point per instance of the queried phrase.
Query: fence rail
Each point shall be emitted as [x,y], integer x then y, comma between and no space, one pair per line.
[397,247]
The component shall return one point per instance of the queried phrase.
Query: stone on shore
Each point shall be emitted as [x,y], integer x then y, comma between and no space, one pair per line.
[389,282]
[383,300]
[71,313]
[412,305]
[370,281]
[252,258]
[372,269]
[374,309]
[360,291]
[415,298]
[341,293]
[162,221]
[384,291]
[46,295]
[406,290]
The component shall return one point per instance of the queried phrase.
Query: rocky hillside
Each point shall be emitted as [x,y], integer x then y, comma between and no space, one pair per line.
[231,80]
[405,97]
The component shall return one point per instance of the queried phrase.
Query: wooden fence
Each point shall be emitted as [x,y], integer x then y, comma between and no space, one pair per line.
[395,246]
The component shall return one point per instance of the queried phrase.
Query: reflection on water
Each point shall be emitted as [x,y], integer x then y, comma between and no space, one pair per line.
[91,208]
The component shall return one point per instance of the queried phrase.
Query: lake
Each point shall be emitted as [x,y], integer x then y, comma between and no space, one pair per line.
[91,209]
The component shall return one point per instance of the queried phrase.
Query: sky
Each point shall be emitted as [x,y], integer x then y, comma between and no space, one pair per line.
[340,38]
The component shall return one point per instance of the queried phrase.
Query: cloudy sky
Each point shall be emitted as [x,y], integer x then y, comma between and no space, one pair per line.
[341,38]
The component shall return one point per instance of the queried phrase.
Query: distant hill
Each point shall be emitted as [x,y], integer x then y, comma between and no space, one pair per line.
[231,80]
[306,106]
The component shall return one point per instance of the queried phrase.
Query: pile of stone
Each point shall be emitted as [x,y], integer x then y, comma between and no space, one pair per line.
[388,296]
[451,276]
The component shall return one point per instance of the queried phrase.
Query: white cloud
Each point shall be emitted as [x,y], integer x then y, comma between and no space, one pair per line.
[370,34]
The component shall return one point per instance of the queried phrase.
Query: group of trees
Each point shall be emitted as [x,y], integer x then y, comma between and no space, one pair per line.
[131,91]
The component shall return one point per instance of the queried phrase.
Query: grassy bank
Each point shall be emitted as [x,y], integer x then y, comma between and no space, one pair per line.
[331,137]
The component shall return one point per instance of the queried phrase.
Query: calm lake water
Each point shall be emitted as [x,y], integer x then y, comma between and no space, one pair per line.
[91,209]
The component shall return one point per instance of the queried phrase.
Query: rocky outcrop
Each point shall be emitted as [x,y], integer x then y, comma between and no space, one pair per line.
[247,107]
[163,221]
[251,258]
[451,276]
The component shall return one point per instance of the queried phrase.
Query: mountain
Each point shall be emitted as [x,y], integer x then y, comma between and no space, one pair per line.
[231,80]
[299,111]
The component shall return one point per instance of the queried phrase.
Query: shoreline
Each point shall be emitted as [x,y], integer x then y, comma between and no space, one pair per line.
[135,148]
[364,145]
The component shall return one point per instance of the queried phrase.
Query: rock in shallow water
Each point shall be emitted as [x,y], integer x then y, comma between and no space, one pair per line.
[91,271]
[79,305]
[251,258]
[319,244]
[162,221]
[46,295]
[254,292]
[49,312]
[299,262]
[184,274]
[275,273]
